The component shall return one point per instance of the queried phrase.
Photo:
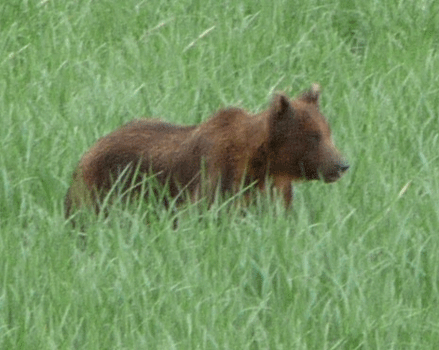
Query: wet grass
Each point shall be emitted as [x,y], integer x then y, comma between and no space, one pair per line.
[353,266]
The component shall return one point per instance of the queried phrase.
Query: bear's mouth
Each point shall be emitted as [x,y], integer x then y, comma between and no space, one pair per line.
[329,175]
[335,174]
[332,177]
[326,177]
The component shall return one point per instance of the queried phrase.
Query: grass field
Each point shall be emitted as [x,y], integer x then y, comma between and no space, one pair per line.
[354,265]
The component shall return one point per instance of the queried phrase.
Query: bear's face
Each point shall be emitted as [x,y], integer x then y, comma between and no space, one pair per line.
[300,140]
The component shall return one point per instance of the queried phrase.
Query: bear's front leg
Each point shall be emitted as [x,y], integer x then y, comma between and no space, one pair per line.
[283,186]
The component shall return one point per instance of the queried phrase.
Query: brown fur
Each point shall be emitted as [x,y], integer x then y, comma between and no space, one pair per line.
[289,141]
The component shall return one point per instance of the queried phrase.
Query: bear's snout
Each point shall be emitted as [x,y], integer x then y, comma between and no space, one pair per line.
[336,172]
[343,167]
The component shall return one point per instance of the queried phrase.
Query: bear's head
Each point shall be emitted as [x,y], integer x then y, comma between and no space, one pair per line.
[300,143]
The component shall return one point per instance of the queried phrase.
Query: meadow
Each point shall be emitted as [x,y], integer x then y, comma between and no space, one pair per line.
[354,264]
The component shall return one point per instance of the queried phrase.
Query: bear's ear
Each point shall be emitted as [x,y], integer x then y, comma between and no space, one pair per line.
[281,115]
[281,107]
[312,95]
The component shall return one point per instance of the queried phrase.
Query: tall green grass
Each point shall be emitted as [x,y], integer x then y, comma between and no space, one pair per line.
[354,265]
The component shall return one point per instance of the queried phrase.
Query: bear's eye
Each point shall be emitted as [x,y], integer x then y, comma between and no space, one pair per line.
[314,137]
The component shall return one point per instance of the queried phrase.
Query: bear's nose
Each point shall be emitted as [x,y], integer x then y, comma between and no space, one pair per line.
[343,167]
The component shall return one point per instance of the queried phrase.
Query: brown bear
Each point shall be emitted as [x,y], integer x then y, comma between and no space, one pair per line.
[289,141]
